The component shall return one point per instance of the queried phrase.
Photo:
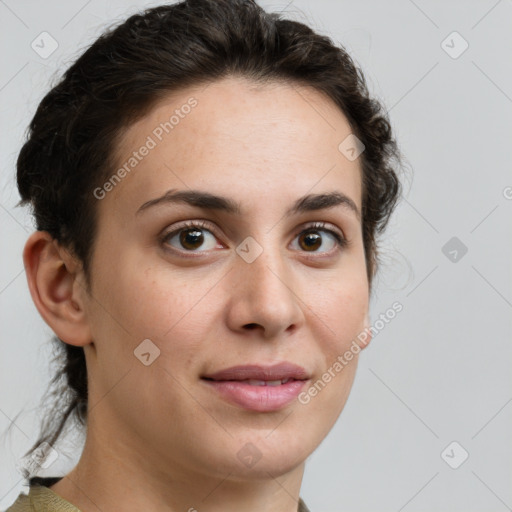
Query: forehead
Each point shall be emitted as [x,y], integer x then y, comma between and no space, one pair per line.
[239,136]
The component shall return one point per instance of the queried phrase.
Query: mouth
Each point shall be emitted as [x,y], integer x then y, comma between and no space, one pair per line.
[259,388]
[263,373]
[256,382]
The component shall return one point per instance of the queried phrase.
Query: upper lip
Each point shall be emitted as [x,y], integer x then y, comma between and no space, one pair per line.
[279,371]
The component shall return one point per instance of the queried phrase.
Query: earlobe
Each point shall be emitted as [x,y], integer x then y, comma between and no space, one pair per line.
[53,276]
[365,336]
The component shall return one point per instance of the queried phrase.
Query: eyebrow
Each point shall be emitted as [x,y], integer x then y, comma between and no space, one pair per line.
[207,201]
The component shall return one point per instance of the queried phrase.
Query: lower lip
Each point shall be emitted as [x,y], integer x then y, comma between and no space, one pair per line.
[257,398]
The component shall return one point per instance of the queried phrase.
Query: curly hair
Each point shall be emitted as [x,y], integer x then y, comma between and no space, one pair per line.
[71,141]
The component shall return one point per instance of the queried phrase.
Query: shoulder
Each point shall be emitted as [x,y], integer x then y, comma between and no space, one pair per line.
[22,504]
[41,499]
[302,506]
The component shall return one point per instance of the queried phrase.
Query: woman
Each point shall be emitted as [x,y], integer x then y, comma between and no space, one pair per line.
[208,182]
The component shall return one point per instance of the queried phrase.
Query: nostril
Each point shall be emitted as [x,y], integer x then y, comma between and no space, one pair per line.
[251,326]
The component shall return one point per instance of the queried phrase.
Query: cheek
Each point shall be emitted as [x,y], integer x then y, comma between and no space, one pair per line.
[166,307]
[327,394]
[341,307]
[146,303]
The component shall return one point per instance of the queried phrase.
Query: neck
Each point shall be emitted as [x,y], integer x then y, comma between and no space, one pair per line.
[112,475]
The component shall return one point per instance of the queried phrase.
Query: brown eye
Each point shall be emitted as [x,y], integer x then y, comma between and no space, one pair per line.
[191,238]
[309,241]
[318,239]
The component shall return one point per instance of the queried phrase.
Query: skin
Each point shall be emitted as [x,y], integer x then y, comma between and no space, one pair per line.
[158,438]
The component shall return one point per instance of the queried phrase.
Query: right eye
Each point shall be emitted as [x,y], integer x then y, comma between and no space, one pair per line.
[190,237]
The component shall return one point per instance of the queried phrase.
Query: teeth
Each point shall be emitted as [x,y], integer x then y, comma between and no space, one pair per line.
[254,382]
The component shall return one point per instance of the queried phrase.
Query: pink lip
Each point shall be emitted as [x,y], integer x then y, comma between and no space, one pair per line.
[229,384]
[260,372]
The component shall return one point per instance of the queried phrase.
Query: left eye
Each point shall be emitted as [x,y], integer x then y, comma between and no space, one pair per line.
[311,239]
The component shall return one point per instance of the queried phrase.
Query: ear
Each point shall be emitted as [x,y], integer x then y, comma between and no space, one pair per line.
[56,283]
[365,336]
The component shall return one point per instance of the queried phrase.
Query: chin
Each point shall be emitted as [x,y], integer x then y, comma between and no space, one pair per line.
[258,456]
[264,468]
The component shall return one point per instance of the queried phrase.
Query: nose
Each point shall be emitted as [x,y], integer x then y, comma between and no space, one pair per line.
[264,297]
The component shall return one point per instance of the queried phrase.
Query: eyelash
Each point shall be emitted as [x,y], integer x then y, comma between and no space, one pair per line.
[341,241]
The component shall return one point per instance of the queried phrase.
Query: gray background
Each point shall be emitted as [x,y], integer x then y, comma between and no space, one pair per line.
[440,371]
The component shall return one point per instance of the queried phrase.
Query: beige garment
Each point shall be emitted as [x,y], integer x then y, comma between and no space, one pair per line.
[42,499]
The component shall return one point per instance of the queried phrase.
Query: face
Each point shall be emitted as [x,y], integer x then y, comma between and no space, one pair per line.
[214,284]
